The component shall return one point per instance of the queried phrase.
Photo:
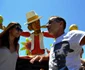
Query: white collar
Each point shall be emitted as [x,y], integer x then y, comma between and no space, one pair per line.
[60,38]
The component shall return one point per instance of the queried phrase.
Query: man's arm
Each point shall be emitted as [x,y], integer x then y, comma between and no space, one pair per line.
[82,61]
[82,41]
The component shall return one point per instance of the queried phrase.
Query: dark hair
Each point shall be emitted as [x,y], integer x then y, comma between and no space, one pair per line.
[58,19]
[4,40]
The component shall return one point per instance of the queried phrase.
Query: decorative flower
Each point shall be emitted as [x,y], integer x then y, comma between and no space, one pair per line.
[26,46]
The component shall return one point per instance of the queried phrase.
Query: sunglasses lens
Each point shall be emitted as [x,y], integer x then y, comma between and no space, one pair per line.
[19,29]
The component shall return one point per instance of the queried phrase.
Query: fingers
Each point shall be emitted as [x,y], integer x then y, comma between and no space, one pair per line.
[48,51]
[37,58]
[40,59]
[34,59]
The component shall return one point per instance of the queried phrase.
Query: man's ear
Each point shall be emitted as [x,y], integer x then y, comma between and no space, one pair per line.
[61,23]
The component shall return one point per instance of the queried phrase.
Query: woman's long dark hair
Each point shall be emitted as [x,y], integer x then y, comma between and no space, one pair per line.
[4,40]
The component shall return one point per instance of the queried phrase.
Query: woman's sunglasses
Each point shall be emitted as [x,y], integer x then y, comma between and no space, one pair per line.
[19,29]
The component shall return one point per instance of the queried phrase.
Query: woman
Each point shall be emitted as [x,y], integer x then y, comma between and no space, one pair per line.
[9,46]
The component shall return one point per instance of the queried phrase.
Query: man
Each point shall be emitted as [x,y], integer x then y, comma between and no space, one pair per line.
[65,52]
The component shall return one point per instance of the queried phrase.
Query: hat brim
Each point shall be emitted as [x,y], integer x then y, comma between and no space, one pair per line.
[6,29]
[33,20]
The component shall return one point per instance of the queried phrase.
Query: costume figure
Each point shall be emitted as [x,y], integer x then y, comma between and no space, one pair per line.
[1,21]
[33,22]
[73,27]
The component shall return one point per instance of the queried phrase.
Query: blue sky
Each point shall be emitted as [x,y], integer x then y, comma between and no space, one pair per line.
[72,10]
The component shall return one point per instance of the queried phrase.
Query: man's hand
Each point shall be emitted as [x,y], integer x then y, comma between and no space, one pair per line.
[36,58]
[39,58]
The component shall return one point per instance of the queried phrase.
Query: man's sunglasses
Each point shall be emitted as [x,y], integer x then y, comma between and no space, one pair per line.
[51,21]
[19,29]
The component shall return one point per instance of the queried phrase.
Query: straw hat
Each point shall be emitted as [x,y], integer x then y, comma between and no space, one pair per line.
[31,17]
[8,27]
[73,27]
